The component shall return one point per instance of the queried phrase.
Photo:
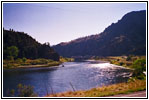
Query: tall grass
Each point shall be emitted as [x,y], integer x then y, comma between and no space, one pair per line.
[120,88]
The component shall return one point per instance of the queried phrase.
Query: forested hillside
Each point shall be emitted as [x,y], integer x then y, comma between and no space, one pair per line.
[127,36]
[26,46]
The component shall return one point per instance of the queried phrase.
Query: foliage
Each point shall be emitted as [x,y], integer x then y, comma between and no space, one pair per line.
[27,46]
[19,60]
[11,52]
[121,63]
[23,91]
[10,58]
[128,58]
[7,64]
[62,59]
[40,61]
[139,66]
[11,93]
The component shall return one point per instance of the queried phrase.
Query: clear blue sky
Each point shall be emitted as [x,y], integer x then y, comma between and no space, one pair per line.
[62,22]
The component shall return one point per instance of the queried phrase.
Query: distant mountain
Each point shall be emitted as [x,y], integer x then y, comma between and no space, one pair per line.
[127,36]
[28,47]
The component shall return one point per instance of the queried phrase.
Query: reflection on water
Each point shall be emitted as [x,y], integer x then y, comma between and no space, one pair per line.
[82,75]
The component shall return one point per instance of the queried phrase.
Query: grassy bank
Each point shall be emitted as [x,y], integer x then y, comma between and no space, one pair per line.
[120,88]
[125,61]
[28,63]
[136,63]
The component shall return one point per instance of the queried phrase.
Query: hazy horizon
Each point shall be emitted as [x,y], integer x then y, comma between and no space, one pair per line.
[63,22]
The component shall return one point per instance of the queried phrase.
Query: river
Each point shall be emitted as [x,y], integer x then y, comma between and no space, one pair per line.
[80,75]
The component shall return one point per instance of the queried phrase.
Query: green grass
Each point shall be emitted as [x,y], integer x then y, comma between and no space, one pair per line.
[62,59]
[10,64]
[22,63]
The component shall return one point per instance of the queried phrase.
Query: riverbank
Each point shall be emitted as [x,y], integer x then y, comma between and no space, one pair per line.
[29,63]
[125,61]
[120,88]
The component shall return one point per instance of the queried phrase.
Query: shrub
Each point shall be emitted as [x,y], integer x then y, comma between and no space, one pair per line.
[128,58]
[23,91]
[139,66]
[19,60]
[11,93]
[121,63]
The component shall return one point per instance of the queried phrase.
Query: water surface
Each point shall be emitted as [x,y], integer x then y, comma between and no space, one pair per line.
[82,75]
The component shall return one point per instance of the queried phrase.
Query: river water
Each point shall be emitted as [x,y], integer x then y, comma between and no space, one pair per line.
[80,75]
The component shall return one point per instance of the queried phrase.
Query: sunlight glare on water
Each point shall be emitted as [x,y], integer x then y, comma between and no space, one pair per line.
[105,66]
[101,65]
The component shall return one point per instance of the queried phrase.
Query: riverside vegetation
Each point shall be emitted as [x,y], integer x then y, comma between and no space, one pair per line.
[120,88]
[136,63]
[27,63]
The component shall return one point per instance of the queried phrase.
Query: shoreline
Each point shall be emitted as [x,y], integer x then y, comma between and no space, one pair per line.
[34,66]
[105,91]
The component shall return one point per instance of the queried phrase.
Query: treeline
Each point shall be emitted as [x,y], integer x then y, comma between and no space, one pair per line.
[20,45]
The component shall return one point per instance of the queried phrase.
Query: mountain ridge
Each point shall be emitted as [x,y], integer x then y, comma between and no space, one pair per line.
[130,31]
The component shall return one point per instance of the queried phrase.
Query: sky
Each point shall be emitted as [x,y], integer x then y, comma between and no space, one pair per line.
[63,22]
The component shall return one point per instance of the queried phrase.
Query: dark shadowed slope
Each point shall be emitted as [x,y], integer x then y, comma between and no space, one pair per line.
[28,47]
[127,36]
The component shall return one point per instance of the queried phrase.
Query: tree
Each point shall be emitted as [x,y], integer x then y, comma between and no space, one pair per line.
[12,52]
[139,66]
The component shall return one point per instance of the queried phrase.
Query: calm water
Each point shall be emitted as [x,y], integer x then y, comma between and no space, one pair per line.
[82,75]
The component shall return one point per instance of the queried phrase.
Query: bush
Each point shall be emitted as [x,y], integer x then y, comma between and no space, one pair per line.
[121,63]
[11,58]
[139,66]
[11,93]
[19,60]
[128,58]
[23,91]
